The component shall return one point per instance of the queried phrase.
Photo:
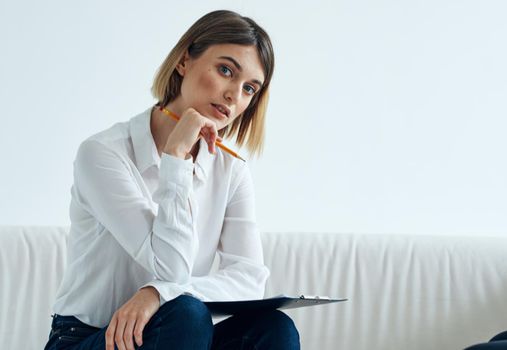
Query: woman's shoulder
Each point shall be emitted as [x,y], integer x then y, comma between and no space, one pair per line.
[120,139]
[113,140]
[111,136]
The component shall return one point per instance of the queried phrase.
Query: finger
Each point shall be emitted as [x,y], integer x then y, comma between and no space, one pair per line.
[212,137]
[215,138]
[214,143]
[128,334]
[211,142]
[208,137]
[118,336]
[208,123]
[138,330]
[110,333]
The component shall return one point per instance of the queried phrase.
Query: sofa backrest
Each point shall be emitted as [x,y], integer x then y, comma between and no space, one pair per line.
[405,292]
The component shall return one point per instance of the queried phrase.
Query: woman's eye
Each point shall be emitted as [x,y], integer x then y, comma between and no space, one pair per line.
[249,89]
[225,70]
[228,73]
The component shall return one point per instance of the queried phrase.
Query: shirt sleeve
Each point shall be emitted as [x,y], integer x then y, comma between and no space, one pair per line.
[242,274]
[164,242]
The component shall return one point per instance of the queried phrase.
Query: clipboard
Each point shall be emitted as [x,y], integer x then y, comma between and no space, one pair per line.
[225,308]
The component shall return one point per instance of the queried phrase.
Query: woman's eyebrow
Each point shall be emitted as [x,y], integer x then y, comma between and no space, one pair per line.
[238,66]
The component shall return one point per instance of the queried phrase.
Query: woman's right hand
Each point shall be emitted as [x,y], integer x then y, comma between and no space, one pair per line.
[191,126]
[128,321]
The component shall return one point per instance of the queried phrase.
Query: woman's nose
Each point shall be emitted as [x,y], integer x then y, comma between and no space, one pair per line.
[232,93]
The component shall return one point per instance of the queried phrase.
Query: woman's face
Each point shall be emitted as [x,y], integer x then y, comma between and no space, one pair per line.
[221,82]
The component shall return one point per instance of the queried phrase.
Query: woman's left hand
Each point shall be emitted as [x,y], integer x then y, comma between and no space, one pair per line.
[130,319]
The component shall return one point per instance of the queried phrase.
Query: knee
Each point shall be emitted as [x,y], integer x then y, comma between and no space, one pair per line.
[187,313]
[483,346]
[281,329]
[500,336]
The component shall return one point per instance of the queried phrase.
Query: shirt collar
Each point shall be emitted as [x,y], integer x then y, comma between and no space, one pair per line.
[145,151]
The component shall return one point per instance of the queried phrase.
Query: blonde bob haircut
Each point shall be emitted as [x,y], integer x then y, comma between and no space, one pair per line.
[222,27]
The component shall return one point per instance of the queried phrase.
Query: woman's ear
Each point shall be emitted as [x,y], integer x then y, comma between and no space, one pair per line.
[182,65]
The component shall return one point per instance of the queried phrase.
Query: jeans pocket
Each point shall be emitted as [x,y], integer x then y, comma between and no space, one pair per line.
[66,342]
[68,338]
[67,333]
[81,332]
[61,342]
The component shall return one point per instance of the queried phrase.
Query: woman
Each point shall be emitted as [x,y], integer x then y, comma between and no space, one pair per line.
[153,201]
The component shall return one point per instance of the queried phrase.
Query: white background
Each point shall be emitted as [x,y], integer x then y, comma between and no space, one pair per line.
[386,116]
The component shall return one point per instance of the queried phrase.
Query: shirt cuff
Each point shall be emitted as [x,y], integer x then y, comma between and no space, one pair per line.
[166,290]
[169,291]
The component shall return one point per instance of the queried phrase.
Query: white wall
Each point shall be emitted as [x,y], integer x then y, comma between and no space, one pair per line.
[385,115]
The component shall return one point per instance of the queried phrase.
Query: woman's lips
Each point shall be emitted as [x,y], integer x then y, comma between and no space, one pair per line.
[218,113]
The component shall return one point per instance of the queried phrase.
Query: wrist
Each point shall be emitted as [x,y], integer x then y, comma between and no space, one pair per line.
[175,152]
[152,290]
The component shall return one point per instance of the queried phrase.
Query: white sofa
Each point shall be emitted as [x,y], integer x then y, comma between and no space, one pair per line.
[405,292]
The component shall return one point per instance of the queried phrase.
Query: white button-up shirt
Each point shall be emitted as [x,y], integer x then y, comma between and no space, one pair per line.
[139,219]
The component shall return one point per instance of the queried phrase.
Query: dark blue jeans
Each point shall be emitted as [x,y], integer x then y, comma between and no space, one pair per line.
[185,323]
[498,342]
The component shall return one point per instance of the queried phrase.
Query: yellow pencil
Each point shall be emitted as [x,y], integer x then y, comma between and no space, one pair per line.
[219,144]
